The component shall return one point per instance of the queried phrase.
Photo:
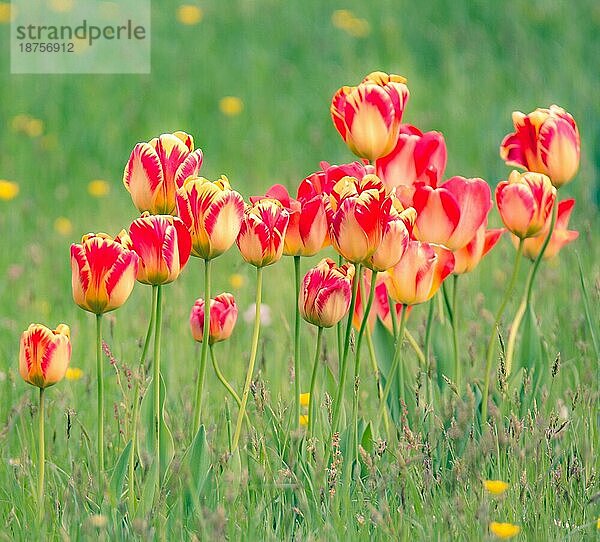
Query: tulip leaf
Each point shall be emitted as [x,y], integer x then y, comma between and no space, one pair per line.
[366,440]
[118,475]
[197,469]
[384,349]
[147,498]
[531,357]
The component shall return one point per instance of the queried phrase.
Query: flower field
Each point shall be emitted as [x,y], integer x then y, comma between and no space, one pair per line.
[393,211]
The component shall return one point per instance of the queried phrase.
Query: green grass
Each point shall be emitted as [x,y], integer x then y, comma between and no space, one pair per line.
[469,65]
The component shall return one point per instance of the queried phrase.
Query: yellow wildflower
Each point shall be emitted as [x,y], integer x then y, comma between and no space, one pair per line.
[73,373]
[7,12]
[303,420]
[61,6]
[34,127]
[8,190]
[98,188]
[495,487]
[304,399]
[237,281]
[355,26]
[63,226]
[231,106]
[504,530]
[189,15]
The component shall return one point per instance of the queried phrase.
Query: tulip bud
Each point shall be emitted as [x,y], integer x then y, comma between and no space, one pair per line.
[525,202]
[156,169]
[223,316]
[326,293]
[44,354]
[103,272]
[212,212]
[545,141]
[163,244]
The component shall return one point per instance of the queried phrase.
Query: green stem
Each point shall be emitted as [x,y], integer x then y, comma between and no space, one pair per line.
[338,327]
[205,343]
[343,363]
[313,379]
[415,346]
[156,381]
[493,335]
[136,404]
[377,375]
[222,378]
[526,299]
[41,460]
[454,323]
[253,351]
[100,412]
[392,306]
[428,367]
[395,364]
[297,345]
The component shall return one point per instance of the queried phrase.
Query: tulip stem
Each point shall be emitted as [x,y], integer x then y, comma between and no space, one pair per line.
[41,460]
[396,366]
[313,379]
[297,345]
[526,299]
[222,378]
[493,335]
[156,381]
[338,327]
[205,343]
[454,323]
[100,420]
[136,404]
[344,360]
[253,351]
[377,374]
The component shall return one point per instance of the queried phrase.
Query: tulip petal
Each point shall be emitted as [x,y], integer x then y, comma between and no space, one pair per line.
[143,175]
[438,213]
[516,205]
[190,167]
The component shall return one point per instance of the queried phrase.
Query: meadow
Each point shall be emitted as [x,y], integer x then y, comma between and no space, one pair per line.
[469,65]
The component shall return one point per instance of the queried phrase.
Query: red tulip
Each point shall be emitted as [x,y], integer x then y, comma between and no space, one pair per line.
[326,293]
[156,169]
[103,272]
[323,181]
[468,257]
[525,202]
[545,141]
[451,214]
[223,316]
[561,236]
[262,233]
[419,273]
[368,116]
[417,157]
[44,354]
[163,244]
[212,212]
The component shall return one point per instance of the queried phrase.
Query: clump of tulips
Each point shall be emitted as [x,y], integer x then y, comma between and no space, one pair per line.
[399,231]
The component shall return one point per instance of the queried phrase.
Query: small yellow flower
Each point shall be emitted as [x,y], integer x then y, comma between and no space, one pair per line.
[34,127]
[7,13]
[304,399]
[98,188]
[61,6]
[598,524]
[504,530]
[237,281]
[342,18]
[63,226]
[189,15]
[355,26]
[8,190]
[495,487]
[303,420]
[231,106]
[73,373]
[19,122]
[359,28]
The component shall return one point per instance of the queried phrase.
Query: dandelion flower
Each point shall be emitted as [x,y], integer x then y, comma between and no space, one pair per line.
[495,487]
[63,226]
[504,530]
[355,26]
[73,373]
[304,399]
[34,127]
[231,106]
[98,188]
[189,15]
[7,12]
[8,190]
[237,281]
[61,6]
[303,420]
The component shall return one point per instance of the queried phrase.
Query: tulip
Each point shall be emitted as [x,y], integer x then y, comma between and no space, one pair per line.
[561,236]
[525,202]
[223,315]
[368,116]
[157,168]
[44,357]
[326,293]
[451,214]
[163,244]
[261,237]
[103,272]
[417,157]
[212,212]
[545,141]
[323,181]
[468,257]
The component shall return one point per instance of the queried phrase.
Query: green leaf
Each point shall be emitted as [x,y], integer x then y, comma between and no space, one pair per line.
[366,440]
[384,349]
[117,477]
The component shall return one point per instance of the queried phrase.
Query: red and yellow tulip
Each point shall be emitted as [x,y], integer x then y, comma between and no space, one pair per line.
[545,141]
[103,272]
[44,354]
[469,256]
[451,214]
[417,157]
[223,316]
[326,293]
[163,244]
[212,212]
[525,202]
[561,236]
[157,168]
[323,181]
[368,116]
[262,234]
[419,273]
